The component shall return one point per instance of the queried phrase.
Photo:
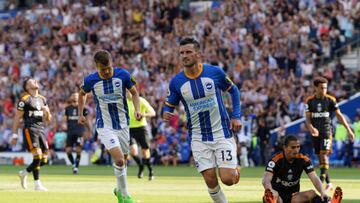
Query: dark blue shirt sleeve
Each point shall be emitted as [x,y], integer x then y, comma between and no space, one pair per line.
[235,98]
[224,81]
[128,80]
[172,99]
[86,86]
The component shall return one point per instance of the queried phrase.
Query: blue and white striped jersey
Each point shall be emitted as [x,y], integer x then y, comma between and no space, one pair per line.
[207,118]
[110,98]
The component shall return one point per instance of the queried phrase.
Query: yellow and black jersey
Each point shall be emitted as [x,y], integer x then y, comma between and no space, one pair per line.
[287,175]
[32,107]
[320,109]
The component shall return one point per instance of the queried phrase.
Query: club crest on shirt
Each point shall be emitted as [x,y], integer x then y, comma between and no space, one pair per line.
[208,86]
[38,106]
[21,104]
[117,84]
[319,108]
[290,175]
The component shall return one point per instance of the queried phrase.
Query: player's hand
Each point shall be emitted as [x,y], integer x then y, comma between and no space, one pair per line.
[138,115]
[45,108]
[82,120]
[314,132]
[324,196]
[235,125]
[167,116]
[351,135]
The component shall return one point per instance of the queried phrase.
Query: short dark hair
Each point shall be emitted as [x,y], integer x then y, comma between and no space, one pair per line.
[289,138]
[103,57]
[319,80]
[189,40]
[25,83]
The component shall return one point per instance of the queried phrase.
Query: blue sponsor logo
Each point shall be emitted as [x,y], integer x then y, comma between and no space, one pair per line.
[203,104]
[117,84]
[110,98]
[112,141]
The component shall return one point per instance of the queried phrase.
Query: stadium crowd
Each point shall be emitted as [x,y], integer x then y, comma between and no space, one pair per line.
[270,49]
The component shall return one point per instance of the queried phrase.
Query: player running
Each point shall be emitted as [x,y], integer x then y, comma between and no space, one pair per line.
[199,88]
[108,86]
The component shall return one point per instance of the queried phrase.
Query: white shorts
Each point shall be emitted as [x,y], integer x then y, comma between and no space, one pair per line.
[215,154]
[115,138]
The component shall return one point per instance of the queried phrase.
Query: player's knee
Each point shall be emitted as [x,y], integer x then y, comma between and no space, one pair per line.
[317,199]
[275,194]
[119,162]
[227,180]
[310,194]
[211,183]
[133,152]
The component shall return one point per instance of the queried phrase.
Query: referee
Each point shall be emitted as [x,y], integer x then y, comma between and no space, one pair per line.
[139,135]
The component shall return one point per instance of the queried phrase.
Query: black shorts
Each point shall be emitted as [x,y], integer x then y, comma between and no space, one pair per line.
[35,138]
[139,135]
[286,197]
[322,144]
[74,139]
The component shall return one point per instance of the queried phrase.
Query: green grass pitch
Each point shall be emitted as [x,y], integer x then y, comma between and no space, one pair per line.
[181,184]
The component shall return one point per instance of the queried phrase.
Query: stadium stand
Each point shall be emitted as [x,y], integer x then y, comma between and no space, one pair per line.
[270,50]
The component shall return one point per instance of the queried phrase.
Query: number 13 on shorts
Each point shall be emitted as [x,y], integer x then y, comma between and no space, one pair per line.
[226,155]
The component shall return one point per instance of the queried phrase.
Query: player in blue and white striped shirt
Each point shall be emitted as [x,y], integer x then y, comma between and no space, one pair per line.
[199,88]
[108,86]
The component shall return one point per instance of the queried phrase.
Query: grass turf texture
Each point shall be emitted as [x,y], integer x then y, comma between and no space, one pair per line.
[181,184]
